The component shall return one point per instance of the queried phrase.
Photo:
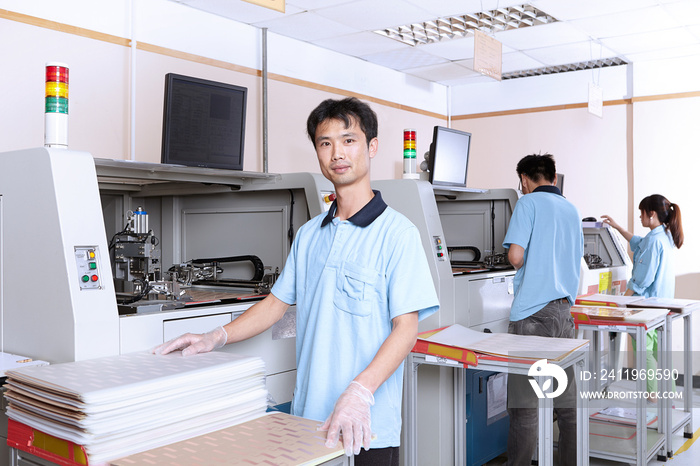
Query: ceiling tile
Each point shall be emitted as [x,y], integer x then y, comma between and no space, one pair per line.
[314,4]
[459,7]
[546,35]
[239,10]
[360,44]
[468,80]
[676,52]
[468,64]
[518,61]
[629,22]
[649,41]
[384,14]
[695,31]
[404,59]
[444,70]
[685,12]
[305,26]
[634,29]
[570,53]
[455,49]
[568,10]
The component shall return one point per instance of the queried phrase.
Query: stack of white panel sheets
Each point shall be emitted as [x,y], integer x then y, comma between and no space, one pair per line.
[120,405]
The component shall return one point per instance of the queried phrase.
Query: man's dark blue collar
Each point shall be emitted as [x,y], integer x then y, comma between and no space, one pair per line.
[365,216]
[547,189]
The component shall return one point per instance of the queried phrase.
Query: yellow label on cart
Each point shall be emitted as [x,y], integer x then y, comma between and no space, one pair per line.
[605,282]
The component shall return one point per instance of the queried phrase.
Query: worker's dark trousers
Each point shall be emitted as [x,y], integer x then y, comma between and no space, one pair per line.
[554,320]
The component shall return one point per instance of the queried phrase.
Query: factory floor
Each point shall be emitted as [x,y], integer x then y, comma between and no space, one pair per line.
[686,451]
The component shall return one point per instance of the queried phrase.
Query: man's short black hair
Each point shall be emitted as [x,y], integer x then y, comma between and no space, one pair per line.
[536,167]
[345,110]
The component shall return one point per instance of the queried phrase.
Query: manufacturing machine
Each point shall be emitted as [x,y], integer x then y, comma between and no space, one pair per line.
[462,234]
[102,257]
[475,225]
[58,302]
[141,286]
[606,267]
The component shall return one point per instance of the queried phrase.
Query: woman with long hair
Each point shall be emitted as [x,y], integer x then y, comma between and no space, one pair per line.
[652,272]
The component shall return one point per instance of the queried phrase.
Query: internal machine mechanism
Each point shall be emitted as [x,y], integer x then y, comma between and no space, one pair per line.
[135,259]
[594,261]
[141,286]
[468,259]
[208,271]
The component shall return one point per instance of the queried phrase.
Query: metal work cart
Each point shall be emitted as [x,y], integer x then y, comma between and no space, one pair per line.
[643,443]
[578,359]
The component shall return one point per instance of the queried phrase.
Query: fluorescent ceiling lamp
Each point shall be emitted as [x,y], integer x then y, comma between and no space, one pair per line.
[455,27]
[585,65]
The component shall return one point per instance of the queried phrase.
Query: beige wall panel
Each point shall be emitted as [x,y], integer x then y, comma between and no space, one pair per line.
[667,162]
[292,151]
[392,121]
[99,120]
[98,89]
[151,69]
[591,152]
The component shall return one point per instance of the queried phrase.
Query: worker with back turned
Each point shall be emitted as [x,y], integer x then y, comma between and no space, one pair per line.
[545,245]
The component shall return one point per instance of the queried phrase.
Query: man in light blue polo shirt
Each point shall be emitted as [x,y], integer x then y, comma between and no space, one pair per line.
[545,245]
[360,280]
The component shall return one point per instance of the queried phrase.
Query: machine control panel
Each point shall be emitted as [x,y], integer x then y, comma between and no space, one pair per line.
[440,249]
[86,260]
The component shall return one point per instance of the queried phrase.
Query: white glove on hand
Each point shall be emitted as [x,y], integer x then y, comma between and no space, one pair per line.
[351,417]
[193,343]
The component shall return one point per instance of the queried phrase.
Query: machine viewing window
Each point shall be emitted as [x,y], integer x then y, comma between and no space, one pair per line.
[449,157]
[203,123]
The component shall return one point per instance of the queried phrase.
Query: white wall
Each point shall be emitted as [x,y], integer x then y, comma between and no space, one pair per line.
[105,72]
[666,76]
[610,164]
[649,78]
[172,25]
[667,162]
[540,91]
[591,152]
[109,18]
[99,85]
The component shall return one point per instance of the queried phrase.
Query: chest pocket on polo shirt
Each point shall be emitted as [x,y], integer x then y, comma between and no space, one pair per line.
[354,292]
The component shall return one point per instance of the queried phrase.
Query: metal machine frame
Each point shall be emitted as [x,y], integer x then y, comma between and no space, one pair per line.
[480,300]
[52,226]
[74,203]
[606,251]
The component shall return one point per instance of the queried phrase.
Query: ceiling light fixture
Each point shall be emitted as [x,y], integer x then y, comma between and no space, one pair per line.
[455,27]
[586,65]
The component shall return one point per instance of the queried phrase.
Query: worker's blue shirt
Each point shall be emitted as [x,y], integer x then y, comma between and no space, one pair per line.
[548,228]
[349,279]
[652,273]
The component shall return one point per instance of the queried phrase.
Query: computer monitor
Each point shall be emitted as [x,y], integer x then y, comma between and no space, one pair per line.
[449,157]
[203,123]
[560,182]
